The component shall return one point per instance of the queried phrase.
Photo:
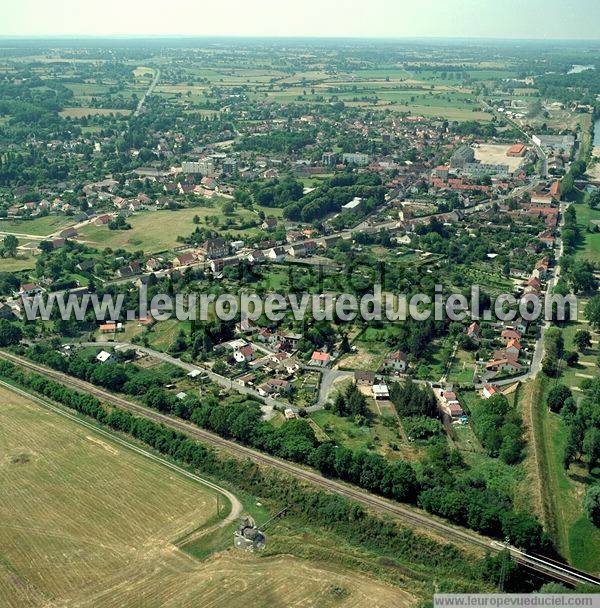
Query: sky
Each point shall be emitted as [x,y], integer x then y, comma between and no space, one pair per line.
[521,19]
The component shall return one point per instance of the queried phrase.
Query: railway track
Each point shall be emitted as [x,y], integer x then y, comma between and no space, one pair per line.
[548,568]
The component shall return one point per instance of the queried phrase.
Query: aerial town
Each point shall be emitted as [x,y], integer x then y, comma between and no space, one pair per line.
[391,459]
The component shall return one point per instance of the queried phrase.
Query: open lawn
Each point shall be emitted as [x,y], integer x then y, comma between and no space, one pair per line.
[81,112]
[462,368]
[587,367]
[366,358]
[161,335]
[153,231]
[590,248]
[21,262]
[39,226]
[383,436]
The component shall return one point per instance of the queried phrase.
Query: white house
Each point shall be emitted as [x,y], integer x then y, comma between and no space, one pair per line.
[396,361]
[104,356]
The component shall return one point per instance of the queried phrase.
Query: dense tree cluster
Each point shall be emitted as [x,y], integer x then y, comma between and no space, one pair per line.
[498,427]
[281,141]
[466,500]
[591,504]
[334,193]
[10,333]
[277,193]
[412,399]
[583,427]
[557,397]
[422,427]
[554,347]
[350,402]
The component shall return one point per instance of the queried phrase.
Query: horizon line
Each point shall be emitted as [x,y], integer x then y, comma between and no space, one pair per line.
[164,36]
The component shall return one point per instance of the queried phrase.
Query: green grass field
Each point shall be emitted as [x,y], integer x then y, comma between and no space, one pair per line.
[153,231]
[563,491]
[81,112]
[590,249]
[39,226]
[163,334]
[21,262]
[462,368]
[587,367]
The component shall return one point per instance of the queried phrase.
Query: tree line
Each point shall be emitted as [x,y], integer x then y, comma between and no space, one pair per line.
[240,419]
[329,511]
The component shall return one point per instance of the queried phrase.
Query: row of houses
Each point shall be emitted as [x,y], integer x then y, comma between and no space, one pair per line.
[506,360]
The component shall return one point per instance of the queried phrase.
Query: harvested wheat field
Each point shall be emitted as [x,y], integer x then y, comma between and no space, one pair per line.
[87,522]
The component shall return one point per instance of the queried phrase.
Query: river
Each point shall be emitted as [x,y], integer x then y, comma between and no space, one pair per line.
[597,134]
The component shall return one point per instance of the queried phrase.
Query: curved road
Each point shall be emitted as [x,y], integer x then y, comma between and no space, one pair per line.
[410,515]
[227,383]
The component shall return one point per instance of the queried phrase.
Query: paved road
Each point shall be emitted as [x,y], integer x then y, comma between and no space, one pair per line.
[409,515]
[328,379]
[147,94]
[538,353]
[22,235]
[236,505]
[227,383]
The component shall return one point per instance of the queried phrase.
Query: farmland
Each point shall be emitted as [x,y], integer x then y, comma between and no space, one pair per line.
[81,514]
[88,523]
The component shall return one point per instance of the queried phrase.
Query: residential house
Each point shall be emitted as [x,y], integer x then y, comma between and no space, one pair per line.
[68,233]
[278,385]
[320,359]
[266,335]
[503,364]
[509,334]
[215,248]
[110,327]
[244,354]
[396,362]
[102,220]
[276,254]
[289,366]
[256,257]
[270,223]
[210,183]
[218,265]
[154,264]
[488,390]
[184,259]
[474,331]
[513,348]
[363,378]
[541,269]
[449,404]
[104,356]
[29,289]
